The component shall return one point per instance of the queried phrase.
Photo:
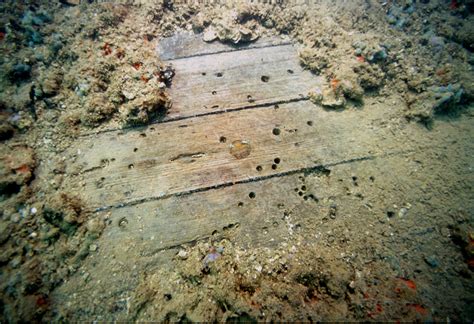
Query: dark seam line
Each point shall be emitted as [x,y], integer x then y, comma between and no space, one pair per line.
[308,170]
[174,119]
[223,51]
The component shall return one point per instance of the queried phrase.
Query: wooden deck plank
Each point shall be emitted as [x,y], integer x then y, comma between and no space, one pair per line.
[190,155]
[233,80]
[187,43]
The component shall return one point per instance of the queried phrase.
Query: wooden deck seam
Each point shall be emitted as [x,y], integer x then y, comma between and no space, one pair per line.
[307,170]
[211,113]
[227,51]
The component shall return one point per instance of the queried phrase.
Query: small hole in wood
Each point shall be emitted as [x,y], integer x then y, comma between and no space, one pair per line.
[143,135]
[250,99]
[309,122]
[277,160]
[274,166]
[122,223]
[276,131]
[203,73]
[214,92]
[219,74]
[131,166]
[240,204]
[290,71]
[259,168]
[222,139]
[135,149]
[265,78]
[252,195]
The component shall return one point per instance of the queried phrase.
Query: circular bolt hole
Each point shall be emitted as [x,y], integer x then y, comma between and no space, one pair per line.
[214,92]
[277,160]
[122,222]
[203,73]
[300,193]
[131,166]
[274,166]
[309,122]
[222,139]
[265,78]
[252,195]
[290,71]
[219,74]
[276,131]
[259,168]
[303,188]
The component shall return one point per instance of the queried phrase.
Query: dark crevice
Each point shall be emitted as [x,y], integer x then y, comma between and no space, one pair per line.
[170,120]
[321,169]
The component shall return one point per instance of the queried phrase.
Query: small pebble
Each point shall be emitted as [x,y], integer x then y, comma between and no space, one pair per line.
[182,254]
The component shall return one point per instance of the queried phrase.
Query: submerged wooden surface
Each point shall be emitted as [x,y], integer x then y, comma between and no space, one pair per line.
[219,151]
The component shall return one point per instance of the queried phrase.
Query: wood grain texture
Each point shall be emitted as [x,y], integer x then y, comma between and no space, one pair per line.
[253,77]
[185,156]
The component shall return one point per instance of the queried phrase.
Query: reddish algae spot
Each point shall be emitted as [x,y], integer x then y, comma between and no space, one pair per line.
[418,308]
[409,283]
[137,65]
[107,49]
[23,169]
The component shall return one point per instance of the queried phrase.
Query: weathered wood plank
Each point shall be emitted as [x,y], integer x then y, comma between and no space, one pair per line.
[232,80]
[186,44]
[190,155]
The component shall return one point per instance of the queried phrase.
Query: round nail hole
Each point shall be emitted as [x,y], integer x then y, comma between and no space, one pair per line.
[265,78]
[131,166]
[252,195]
[203,73]
[222,139]
[259,168]
[250,99]
[122,223]
[214,92]
[290,71]
[277,160]
[276,131]
[274,166]
[309,122]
